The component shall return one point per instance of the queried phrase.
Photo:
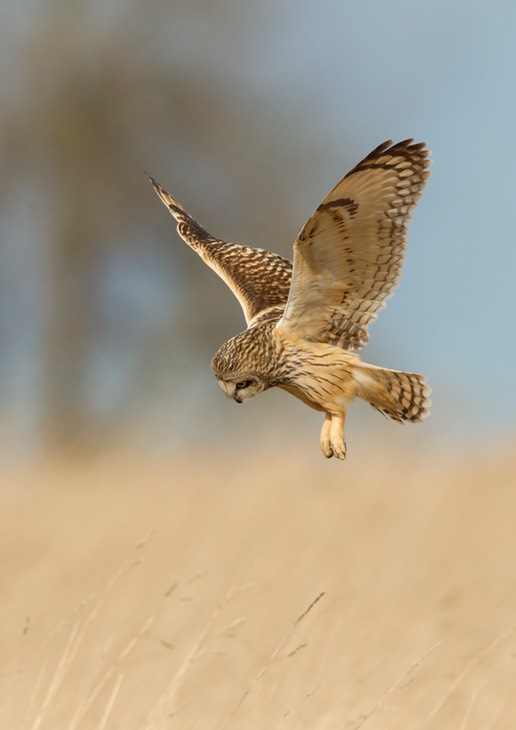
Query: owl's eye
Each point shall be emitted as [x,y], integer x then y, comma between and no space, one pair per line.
[243,384]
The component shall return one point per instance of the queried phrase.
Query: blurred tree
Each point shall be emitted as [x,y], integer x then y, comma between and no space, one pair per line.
[103,92]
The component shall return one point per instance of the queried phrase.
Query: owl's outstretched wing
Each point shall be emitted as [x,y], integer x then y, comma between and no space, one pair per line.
[259,279]
[349,255]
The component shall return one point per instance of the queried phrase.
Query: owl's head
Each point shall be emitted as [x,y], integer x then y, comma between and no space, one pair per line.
[243,364]
[241,387]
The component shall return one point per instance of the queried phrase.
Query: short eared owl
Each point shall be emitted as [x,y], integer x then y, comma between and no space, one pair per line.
[305,319]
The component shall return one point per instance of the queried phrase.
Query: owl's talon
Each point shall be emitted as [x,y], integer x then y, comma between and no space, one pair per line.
[339,451]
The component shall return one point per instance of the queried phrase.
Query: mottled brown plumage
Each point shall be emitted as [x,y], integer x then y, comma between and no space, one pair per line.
[246,270]
[306,319]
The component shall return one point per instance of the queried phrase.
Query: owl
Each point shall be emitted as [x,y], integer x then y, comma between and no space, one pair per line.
[306,319]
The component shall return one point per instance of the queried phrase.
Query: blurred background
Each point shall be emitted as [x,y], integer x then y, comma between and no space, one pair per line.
[248,113]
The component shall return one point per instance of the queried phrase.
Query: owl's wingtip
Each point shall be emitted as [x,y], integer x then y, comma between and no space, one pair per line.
[152,181]
[162,194]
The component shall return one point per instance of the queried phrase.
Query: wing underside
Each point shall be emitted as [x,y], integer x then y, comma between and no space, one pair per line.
[349,255]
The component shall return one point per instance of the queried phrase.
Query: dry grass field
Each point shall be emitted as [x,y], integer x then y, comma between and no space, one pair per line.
[298,593]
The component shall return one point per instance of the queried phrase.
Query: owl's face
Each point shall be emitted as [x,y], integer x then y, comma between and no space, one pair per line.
[243,364]
[242,387]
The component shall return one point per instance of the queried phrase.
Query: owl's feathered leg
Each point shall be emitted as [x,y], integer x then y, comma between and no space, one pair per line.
[325,437]
[332,435]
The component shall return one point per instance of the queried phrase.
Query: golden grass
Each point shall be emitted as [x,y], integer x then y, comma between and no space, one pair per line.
[256,591]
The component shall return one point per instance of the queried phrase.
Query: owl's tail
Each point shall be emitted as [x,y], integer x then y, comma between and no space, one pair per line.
[400,396]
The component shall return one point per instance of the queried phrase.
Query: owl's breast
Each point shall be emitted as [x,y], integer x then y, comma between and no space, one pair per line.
[298,393]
